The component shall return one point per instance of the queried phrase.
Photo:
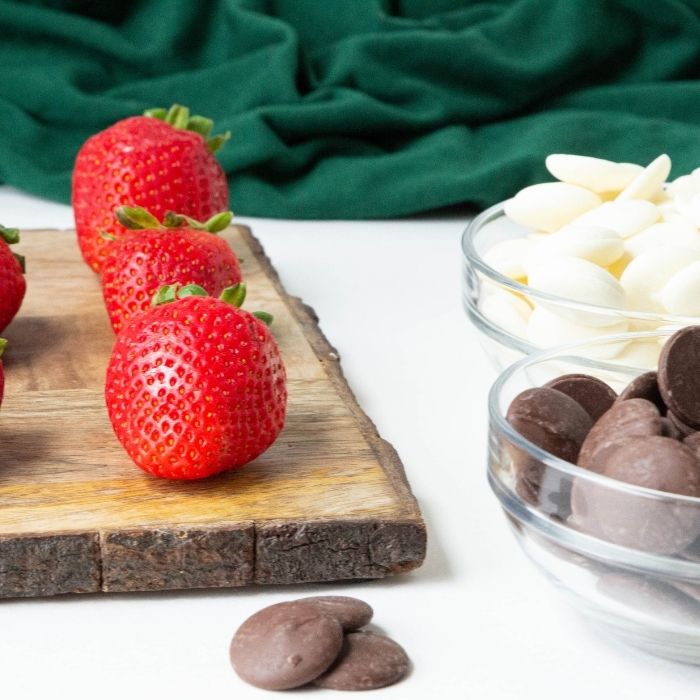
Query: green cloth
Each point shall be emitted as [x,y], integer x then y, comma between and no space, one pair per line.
[356,108]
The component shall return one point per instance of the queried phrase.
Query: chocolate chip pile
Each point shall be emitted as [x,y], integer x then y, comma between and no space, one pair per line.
[316,640]
[648,436]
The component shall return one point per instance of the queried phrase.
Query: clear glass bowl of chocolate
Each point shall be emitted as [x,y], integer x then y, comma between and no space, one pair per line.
[514,319]
[596,465]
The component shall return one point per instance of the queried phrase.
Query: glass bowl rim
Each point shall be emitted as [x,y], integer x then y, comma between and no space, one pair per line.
[471,256]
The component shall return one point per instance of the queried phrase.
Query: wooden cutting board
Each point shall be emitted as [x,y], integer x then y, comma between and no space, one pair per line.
[328,501]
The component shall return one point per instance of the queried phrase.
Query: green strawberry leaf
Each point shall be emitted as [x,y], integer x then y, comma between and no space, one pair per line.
[191,290]
[264,317]
[22,262]
[164,295]
[156,113]
[136,218]
[200,125]
[178,116]
[234,295]
[216,142]
[173,220]
[9,235]
[218,222]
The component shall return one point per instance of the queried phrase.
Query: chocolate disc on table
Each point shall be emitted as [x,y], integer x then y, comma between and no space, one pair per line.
[645,386]
[285,646]
[367,661]
[631,418]
[351,613]
[657,525]
[554,422]
[679,375]
[594,395]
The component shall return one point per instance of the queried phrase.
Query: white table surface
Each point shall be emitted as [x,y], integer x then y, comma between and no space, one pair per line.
[477,619]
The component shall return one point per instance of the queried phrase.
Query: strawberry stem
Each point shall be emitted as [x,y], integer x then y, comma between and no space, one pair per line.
[217,223]
[191,290]
[234,295]
[3,345]
[264,317]
[140,218]
[216,142]
[200,125]
[136,218]
[9,235]
[157,113]
[179,117]
[164,295]
[173,220]
[171,292]
[22,262]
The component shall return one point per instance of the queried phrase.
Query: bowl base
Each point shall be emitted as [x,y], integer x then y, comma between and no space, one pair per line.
[674,645]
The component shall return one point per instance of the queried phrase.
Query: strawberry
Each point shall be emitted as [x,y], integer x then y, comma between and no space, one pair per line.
[196,385]
[162,161]
[3,345]
[12,282]
[180,250]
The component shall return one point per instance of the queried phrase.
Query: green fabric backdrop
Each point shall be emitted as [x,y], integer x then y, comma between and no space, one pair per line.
[356,108]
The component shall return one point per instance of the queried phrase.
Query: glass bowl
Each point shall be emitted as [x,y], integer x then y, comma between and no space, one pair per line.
[627,557]
[505,339]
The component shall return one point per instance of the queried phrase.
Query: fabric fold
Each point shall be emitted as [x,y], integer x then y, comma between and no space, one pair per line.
[358,109]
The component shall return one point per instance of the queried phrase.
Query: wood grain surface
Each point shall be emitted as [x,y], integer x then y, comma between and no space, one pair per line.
[328,501]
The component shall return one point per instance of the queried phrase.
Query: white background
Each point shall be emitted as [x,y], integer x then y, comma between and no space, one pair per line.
[477,619]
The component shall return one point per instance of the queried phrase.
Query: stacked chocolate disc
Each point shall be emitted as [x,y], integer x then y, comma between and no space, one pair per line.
[648,436]
[316,640]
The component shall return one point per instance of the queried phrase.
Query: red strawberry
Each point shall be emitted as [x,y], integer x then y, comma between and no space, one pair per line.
[12,282]
[181,250]
[162,161]
[196,385]
[3,345]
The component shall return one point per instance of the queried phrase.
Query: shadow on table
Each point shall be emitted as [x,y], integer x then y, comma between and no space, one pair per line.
[22,450]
